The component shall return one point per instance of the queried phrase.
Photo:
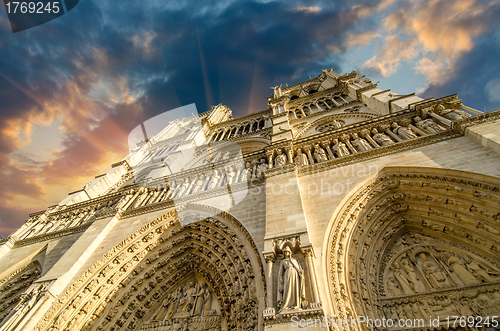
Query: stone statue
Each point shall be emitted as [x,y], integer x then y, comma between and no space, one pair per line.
[198,301]
[290,282]
[381,138]
[301,158]
[261,167]
[319,154]
[183,190]
[450,114]
[402,279]
[460,270]
[480,271]
[214,181]
[392,288]
[186,303]
[231,175]
[248,172]
[207,301]
[415,283]
[436,277]
[339,148]
[199,184]
[336,124]
[426,125]
[361,144]
[403,132]
[281,159]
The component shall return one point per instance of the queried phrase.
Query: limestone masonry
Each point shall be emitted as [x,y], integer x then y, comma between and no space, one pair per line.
[339,202]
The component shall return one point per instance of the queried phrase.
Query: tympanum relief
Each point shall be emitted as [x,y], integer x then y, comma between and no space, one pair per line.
[191,306]
[422,277]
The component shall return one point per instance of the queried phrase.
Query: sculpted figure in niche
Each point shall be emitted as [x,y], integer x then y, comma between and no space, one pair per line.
[361,144]
[427,125]
[339,148]
[187,301]
[392,288]
[199,298]
[403,132]
[280,160]
[481,272]
[319,154]
[231,175]
[290,282]
[450,114]
[261,167]
[435,275]
[214,181]
[301,158]
[199,184]
[460,270]
[248,172]
[415,283]
[336,124]
[402,279]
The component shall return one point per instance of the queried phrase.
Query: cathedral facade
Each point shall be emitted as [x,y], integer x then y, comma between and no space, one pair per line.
[341,206]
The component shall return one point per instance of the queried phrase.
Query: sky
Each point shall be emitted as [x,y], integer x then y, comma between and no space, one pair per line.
[72,89]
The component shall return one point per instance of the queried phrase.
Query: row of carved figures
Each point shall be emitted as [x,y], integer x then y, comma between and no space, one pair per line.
[363,141]
[429,271]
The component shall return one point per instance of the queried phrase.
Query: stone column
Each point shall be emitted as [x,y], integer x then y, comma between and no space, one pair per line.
[308,252]
[270,258]
[270,159]
[309,155]
[326,145]
[365,134]
[289,153]
[345,139]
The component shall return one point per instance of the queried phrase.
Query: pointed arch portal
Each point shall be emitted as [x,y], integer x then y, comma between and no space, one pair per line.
[170,275]
[416,243]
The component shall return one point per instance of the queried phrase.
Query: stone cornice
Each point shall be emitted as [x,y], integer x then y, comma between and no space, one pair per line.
[460,126]
[54,235]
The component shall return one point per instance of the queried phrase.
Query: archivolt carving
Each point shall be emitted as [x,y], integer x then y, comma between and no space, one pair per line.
[13,286]
[409,242]
[126,288]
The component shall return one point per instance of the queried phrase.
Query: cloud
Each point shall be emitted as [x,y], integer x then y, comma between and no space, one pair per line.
[434,33]
[492,90]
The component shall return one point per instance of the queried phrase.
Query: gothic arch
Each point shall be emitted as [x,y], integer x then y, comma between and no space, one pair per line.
[14,285]
[128,286]
[412,242]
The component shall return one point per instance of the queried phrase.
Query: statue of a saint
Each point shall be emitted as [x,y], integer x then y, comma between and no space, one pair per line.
[199,184]
[301,158]
[403,132]
[451,114]
[381,138]
[231,175]
[427,125]
[336,124]
[339,148]
[214,181]
[290,282]
[261,168]
[319,154]
[361,144]
[460,270]
[280,160]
